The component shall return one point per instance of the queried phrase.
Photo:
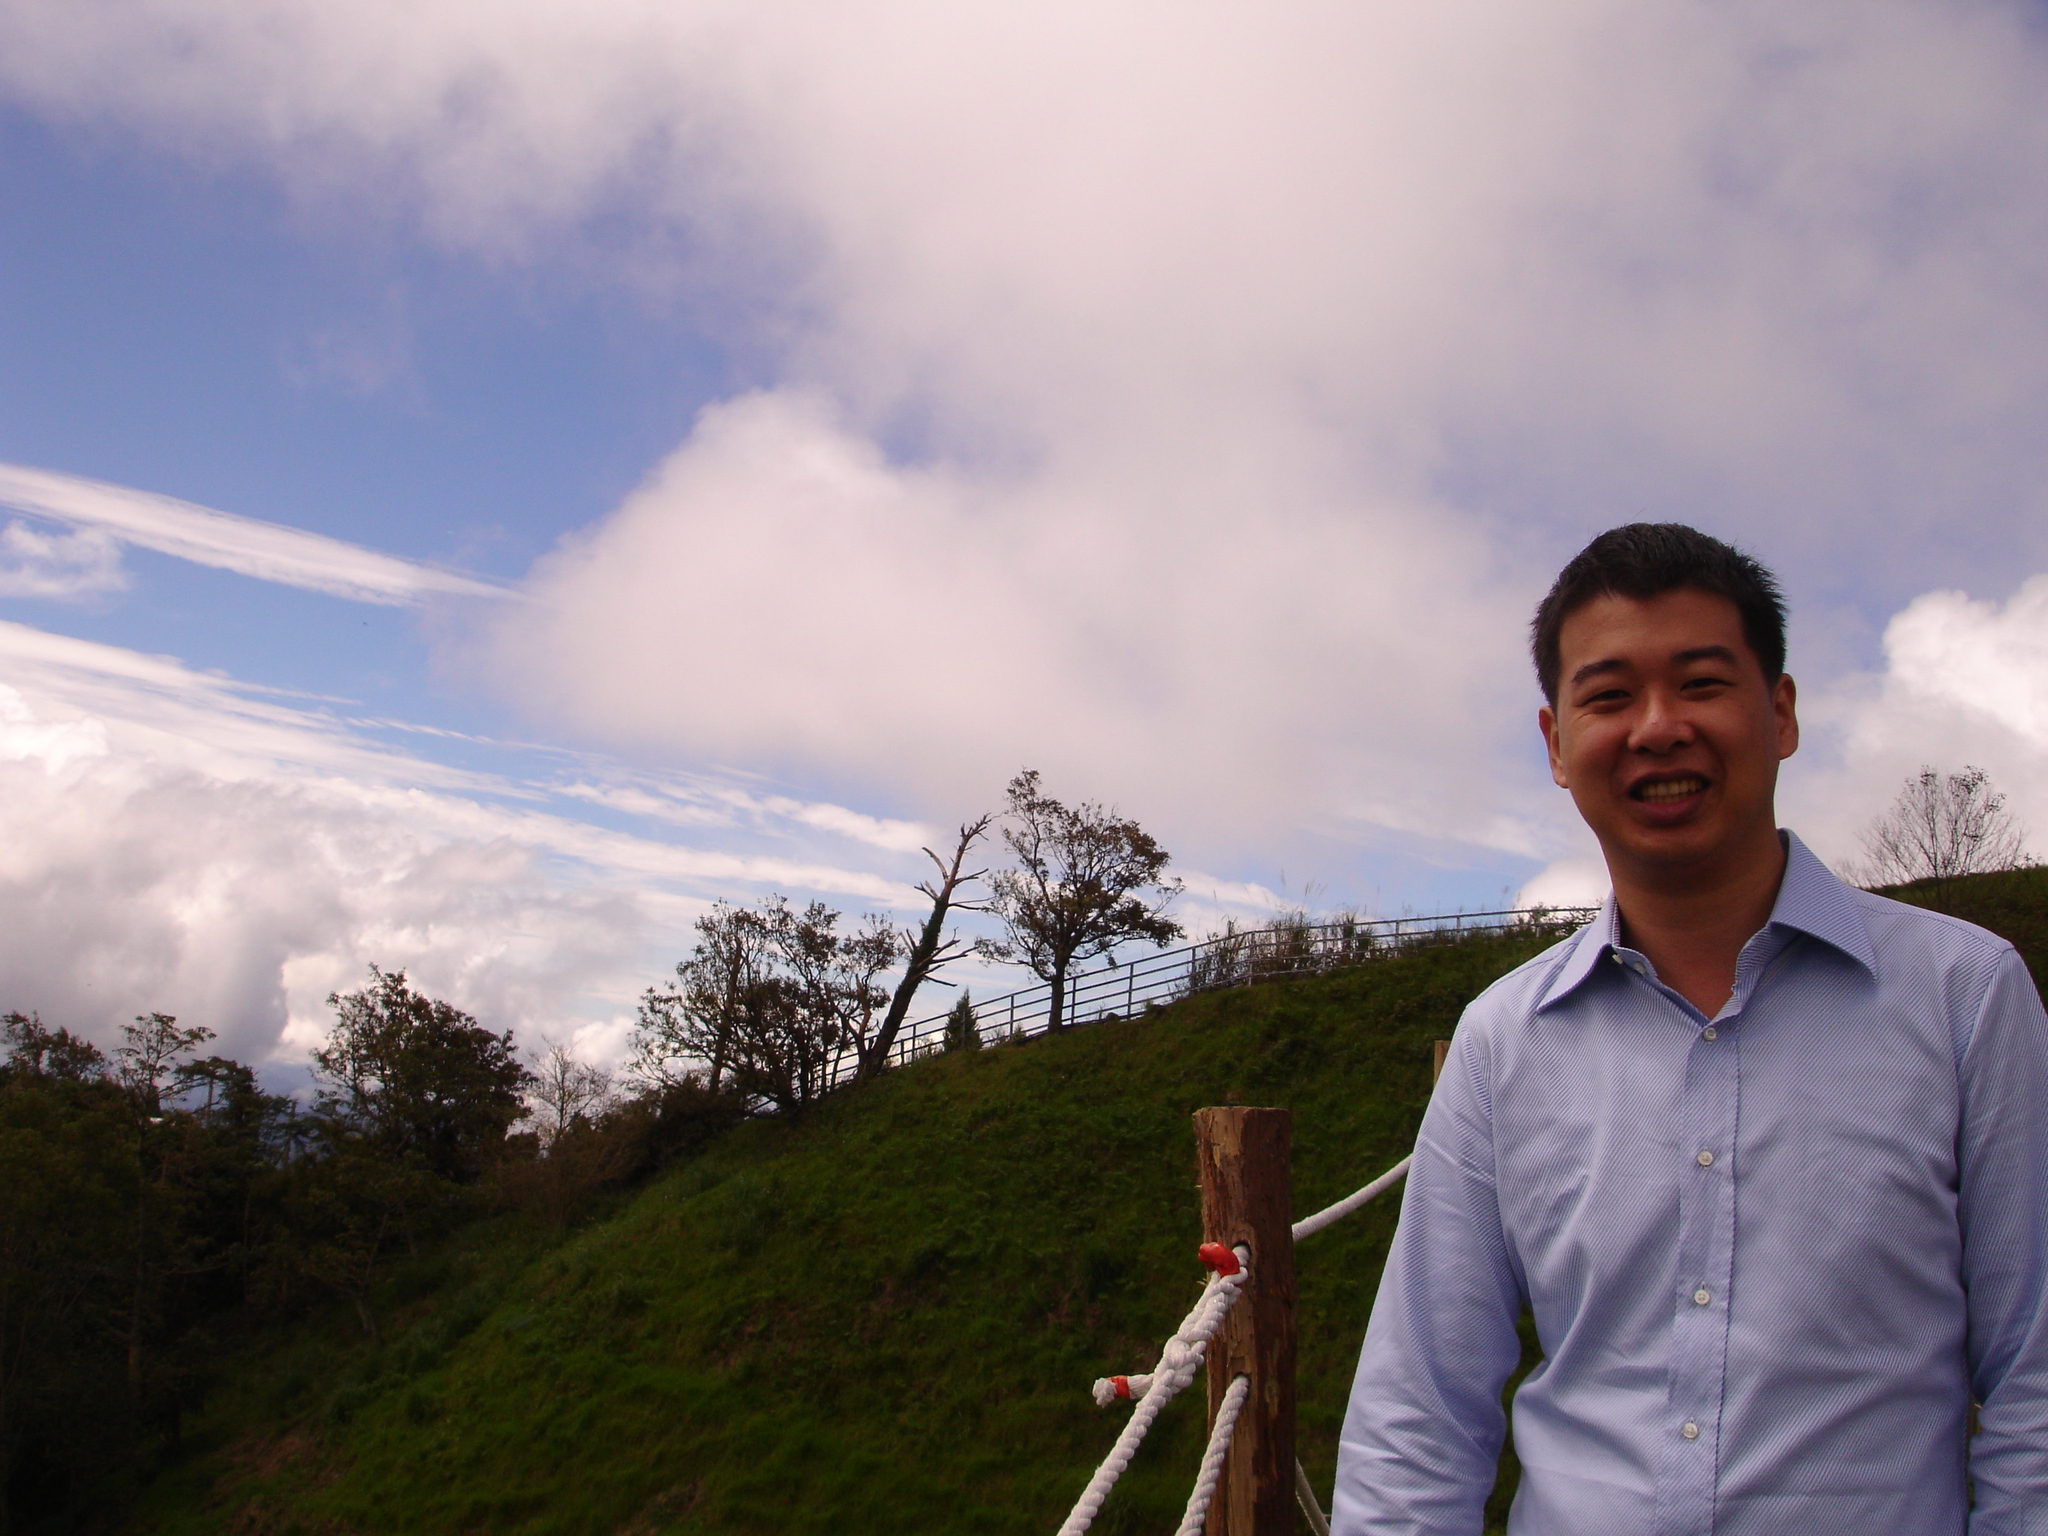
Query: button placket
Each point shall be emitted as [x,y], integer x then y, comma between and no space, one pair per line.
[1707,1126]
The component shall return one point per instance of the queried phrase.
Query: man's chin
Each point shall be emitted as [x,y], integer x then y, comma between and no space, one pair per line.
[1671,849]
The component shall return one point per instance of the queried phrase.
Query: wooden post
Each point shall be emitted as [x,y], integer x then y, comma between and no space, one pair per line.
[1241,1157]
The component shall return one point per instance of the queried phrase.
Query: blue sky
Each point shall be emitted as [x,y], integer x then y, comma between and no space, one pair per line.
[841,408]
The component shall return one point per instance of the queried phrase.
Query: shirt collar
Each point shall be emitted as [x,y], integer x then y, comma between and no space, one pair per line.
[1812,900]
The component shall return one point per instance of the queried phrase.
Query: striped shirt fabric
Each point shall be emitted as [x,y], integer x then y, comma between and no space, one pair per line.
[1772,1256]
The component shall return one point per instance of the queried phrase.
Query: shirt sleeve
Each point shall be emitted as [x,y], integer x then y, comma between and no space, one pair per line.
[2003,1178]
[1423,1431]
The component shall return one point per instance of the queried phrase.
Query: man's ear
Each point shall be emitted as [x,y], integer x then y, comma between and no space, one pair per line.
[1784,701]
[1546,722]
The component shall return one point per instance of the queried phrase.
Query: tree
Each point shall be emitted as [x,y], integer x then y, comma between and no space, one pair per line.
[418,1076]
[1943,826]
[691,1025]
[771,1000]
[565,1090]
[37,1050]
[1074,892]
[68,1185]
[927,950]
[963,1031]
[413,1101]
[152,1056]
[580,1145]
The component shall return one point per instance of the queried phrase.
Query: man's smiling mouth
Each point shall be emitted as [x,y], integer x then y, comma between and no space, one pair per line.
[1664,791]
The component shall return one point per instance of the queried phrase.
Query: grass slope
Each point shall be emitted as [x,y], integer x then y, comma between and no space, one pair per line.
[887,1316]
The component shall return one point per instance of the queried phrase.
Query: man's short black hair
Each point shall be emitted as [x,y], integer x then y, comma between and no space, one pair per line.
[1646,560]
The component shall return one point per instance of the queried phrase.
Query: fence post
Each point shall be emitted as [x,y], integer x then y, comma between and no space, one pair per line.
[1241,1158]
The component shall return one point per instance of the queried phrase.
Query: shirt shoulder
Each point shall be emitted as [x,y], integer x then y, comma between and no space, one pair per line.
[1929,962]
[1906,935]
[1521,991]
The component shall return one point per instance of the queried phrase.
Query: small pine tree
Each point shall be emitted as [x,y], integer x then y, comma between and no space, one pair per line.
[962,1032]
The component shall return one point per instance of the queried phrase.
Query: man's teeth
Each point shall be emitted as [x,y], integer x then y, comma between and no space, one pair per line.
[1674,789]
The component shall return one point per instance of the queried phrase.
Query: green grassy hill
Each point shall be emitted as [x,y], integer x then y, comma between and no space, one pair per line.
[885,1317]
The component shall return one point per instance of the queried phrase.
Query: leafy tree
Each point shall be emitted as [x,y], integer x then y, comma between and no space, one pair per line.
[1943,826]
[150,1066]
[126,1220]
[687,1030]
[928,949]
[152,1056]
[1075,892]
[69,1181]
[418,1077]
[38,1051]
[772,1000]
[963,1032]
[413,1101]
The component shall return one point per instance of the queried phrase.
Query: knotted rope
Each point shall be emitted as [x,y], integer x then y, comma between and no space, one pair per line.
[1181,1359]
[1178,1363]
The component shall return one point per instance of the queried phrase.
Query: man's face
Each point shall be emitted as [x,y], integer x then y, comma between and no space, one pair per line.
[1667,733]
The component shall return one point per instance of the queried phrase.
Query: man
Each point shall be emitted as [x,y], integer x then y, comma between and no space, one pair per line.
[1766,1156]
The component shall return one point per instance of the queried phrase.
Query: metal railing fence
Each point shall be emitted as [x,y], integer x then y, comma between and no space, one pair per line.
[1234,958]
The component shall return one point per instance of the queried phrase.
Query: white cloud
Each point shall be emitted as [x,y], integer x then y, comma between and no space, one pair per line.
[64,566]
[1963,683]
[1988,657]
[172,840]
[923,629]
[1190,400]
[267,551]
[1579,881]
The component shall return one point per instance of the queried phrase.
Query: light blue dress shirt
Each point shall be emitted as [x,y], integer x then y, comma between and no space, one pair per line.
[1771,1256]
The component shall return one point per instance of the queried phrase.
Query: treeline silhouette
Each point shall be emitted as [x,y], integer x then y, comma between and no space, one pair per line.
[157,1204]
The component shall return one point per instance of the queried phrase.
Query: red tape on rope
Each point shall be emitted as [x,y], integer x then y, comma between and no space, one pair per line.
[1122,1385]
[1218,1258]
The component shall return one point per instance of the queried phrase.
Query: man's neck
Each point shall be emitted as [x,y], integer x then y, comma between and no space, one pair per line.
[1692,923]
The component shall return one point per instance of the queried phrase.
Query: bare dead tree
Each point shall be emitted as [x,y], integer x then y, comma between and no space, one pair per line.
[1943,826]
[929,948]
[565,1090]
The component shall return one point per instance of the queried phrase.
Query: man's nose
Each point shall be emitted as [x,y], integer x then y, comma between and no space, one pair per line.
[1662,725]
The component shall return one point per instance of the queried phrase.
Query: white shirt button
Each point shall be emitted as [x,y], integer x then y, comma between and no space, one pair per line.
[1710,1033]
[1706,1159]
[1702,1296]
[1691,1430]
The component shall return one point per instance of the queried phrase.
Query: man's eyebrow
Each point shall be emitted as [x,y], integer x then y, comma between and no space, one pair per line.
[1593,669]
[1709,653]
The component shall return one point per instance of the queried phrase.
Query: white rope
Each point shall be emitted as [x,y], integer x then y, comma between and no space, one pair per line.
[1178,1363]
[1212,1459]
[1109,1388]
[1308,1226]
[1305,1496]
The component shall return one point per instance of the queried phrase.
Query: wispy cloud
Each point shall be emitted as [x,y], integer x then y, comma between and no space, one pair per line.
[266,551]
[64,566]
[171,838]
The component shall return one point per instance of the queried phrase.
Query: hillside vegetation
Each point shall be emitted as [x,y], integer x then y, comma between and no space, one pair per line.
[882,1317]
